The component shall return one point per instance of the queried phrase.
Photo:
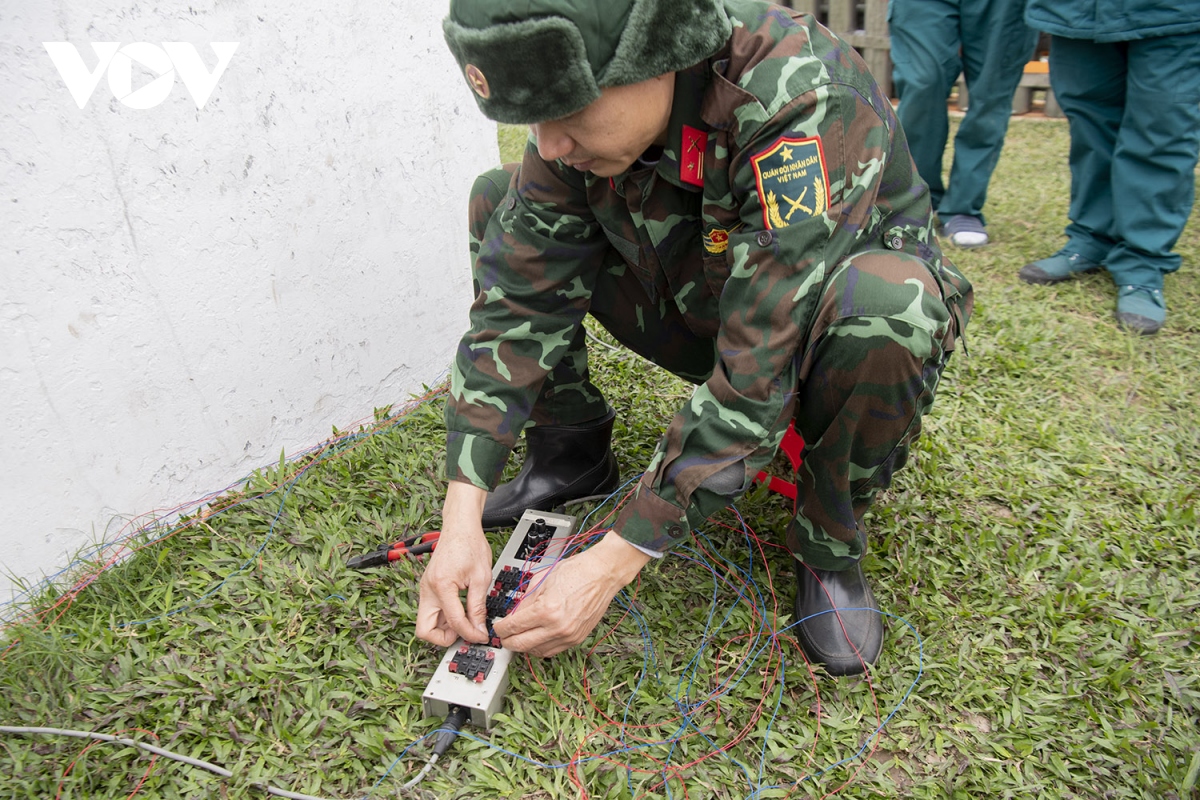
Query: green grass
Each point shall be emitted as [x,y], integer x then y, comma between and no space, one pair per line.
[1043,543]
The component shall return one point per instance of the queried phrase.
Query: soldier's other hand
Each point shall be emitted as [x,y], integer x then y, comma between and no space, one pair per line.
[462,560]
[568,603]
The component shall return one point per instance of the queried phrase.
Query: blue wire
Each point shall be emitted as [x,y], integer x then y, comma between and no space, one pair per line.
[690,669]
[11,609]
[688,707]
[682,695]
[250,560]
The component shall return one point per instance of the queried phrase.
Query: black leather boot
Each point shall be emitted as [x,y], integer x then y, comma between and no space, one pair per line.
[842,652]
[562,462]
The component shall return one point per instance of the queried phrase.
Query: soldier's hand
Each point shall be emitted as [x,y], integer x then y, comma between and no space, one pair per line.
[462,560]
[569,602]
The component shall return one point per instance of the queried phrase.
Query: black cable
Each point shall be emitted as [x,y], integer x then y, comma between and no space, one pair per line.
[443,738]
[446,734]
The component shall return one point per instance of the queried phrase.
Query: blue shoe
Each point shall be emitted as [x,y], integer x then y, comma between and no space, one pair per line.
[1057,268]
[1141,309]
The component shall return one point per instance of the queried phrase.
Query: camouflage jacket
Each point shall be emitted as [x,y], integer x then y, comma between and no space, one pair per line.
[783,158]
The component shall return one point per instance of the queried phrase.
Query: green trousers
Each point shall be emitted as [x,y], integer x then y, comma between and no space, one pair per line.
[932,42]
[1134,110]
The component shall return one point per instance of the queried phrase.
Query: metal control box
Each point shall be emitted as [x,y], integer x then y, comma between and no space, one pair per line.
[475,676]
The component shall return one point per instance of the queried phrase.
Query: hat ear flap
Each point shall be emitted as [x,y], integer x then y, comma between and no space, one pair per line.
[522,72]
[666,36]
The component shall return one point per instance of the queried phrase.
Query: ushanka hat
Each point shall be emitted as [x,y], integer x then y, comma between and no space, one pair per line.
[537,60]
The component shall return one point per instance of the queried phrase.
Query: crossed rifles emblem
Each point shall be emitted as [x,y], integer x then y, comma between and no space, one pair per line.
[798,203]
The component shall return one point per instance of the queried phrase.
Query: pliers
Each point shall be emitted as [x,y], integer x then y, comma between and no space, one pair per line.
[417,545]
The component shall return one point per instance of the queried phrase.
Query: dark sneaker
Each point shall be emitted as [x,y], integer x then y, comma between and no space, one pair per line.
[1141,309]
[963,230]
[839,624]
[1057,268]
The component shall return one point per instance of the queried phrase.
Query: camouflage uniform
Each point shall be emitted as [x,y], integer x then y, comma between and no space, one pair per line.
[780,255]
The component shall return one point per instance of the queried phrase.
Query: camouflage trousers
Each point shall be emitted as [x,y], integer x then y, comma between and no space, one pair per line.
[861,391]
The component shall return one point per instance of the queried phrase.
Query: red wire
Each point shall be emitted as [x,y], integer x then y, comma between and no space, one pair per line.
[93,743]
[729,662]
[122,550]
[737,662]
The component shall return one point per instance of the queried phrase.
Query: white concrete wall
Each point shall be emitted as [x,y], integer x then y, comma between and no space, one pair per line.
[185,292]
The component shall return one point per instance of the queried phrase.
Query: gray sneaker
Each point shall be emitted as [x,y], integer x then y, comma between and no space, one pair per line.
[1057,268]
[963,230]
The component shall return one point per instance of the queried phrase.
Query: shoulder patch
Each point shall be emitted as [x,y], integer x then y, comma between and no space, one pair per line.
[791,181]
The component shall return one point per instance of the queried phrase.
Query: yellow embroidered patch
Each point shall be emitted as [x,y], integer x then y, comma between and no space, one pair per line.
[791,179]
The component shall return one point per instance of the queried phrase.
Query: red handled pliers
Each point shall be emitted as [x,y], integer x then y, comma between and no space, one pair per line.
[413,546]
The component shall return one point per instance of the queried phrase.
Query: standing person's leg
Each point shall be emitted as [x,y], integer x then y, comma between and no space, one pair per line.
[996,45]
[1153,172]
[1089,81]
[876,352]
[925,65]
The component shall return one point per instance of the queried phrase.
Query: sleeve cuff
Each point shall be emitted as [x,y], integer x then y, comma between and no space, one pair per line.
[475,459]
[652,524]
[646,550]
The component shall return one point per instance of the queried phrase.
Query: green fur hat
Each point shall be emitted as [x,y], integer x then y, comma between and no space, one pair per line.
[537,60]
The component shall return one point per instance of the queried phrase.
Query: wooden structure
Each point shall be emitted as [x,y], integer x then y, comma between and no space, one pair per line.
[1036,77]
[861,23]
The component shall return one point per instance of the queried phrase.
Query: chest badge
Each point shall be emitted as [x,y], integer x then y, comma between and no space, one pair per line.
[716,240]
[691,161]
[791,181]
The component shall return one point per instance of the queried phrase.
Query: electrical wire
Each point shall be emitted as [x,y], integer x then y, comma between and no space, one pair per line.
[603,343]
[688,697]
[456,717]
[104,737]
[408,787]
[194,762]
[739,658]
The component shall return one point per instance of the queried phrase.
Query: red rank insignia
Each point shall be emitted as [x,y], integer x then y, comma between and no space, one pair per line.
[691,160]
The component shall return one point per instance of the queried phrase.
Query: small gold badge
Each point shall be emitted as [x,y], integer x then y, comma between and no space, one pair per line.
[716,241]
[478,81]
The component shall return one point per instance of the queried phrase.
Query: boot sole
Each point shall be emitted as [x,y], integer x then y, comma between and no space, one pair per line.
[554,502]
[1136,323]
[1040,278]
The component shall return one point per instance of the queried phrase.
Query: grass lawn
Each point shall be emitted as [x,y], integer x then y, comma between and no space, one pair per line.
[1038,557]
